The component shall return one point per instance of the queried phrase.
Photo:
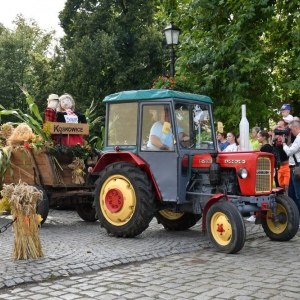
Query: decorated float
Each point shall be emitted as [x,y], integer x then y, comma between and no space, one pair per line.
[29,155]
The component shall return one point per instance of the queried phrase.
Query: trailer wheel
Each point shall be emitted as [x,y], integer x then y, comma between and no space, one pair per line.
[124,199]
[42,206]
[86,212]
[225,227]
[176,221]
[288,224]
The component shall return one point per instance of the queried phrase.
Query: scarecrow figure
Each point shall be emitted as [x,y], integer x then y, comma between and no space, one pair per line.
[66,114]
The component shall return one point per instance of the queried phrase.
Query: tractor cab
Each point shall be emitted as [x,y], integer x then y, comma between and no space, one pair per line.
[165,129]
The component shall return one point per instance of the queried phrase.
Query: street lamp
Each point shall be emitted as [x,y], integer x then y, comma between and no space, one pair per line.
[172,37]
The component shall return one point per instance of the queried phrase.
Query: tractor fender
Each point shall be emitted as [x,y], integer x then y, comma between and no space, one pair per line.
[212,200]
[126,156]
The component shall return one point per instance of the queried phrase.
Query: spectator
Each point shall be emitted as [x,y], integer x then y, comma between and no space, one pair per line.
[285,111]
[263,139]
[254,143]
[231,138]
[293,151]
[282,176]
[222,142]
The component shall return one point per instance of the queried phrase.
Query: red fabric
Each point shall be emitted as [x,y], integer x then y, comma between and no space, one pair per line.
[72,140]
[50,115]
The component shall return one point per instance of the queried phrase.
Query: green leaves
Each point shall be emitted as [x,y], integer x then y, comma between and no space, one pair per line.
[241,52]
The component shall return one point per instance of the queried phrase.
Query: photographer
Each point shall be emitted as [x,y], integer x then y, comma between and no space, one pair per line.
[282,176]
[293,149]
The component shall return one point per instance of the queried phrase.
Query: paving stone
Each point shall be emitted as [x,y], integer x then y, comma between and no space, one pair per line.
[157,264]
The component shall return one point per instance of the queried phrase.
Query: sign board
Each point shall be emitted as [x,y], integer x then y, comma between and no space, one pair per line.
[68,128]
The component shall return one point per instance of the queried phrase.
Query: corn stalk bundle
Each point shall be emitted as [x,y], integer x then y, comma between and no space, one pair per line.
[23,200]
[77,166]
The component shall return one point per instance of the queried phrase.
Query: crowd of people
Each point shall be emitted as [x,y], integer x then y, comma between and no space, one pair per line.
[284,139]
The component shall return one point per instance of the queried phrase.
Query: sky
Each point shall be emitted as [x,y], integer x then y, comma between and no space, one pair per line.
[44,12]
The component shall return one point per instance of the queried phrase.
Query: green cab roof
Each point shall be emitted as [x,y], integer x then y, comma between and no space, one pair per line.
[154,94]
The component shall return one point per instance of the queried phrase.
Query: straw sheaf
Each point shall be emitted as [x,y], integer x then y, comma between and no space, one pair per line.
[6,130]
[20,134]
[23,200]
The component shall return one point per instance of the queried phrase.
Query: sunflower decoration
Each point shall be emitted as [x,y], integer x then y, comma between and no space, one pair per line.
[4,205]
[21,133]
[47,129]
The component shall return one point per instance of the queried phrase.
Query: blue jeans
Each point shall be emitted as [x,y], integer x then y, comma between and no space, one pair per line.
[294,189]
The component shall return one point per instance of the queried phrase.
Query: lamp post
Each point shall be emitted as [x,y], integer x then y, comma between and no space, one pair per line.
[172,37]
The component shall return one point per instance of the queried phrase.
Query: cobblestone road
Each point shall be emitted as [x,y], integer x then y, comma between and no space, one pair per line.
[87,263]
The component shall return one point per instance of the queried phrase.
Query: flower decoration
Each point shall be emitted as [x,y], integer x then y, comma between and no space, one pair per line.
[178,83]
[77,150]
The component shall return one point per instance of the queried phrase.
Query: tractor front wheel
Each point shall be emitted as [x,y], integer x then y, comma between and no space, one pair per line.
[176,221]
[124,199]
[225,227]
[288,223]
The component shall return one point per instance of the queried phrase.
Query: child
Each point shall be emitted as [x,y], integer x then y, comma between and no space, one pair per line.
[285,111]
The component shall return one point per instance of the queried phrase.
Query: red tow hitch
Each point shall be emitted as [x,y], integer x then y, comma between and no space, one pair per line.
[265,206]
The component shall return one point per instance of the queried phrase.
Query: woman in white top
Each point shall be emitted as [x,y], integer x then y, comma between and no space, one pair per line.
[231,138]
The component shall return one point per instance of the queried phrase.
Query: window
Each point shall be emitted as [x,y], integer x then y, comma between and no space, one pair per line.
[152,126]
[122,124]
[194,120]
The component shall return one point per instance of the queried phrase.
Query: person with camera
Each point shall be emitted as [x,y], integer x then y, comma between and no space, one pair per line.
[293,151]
[282,176]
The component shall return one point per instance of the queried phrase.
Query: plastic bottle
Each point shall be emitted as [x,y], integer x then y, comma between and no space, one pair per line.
[244,131]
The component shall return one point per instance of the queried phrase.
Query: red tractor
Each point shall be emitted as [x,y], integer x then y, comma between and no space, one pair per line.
[185,179]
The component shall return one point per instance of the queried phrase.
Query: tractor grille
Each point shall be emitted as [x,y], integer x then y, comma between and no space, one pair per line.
[263,175]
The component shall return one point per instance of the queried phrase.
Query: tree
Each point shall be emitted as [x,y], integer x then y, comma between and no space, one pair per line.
[24,59]
[240,52]
[110,46]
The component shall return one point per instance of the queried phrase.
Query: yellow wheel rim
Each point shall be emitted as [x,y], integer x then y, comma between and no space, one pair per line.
[170,215]
[280,227]
[221,228]
[117,200]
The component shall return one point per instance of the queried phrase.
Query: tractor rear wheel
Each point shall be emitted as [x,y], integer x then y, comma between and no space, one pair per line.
[225,227]
[288,224]
[176,221]
[124,199]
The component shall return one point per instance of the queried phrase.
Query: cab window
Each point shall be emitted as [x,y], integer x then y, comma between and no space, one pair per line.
[122,124]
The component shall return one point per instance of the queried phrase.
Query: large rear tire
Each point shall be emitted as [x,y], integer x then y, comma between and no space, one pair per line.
[226,227]
[288,224]
[124,199]
[176,221]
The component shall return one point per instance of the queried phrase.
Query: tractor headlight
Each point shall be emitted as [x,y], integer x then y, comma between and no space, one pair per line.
[243,173]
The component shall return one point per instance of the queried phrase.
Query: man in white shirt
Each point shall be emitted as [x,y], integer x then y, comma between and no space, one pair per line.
[291,150]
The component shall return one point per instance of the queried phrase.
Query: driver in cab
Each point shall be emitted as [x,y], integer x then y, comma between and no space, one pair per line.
[161,136]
